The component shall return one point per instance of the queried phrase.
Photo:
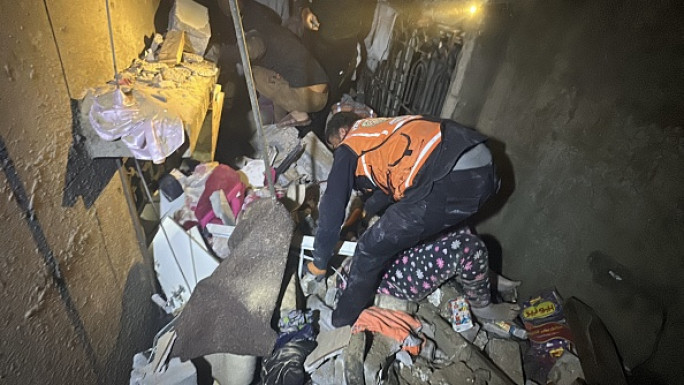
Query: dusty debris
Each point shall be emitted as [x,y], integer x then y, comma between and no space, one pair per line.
[330,344]
[458,348]
[506,355]
[566,370]
[454,374]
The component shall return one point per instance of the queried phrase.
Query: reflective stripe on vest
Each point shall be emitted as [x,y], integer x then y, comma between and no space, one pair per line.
[391,151]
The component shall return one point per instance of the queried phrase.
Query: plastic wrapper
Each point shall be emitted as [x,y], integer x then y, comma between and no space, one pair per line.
[150,131]
[461,319]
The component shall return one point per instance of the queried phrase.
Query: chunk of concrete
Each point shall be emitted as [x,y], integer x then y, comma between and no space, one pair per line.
[231,311]
[330,373]
[193,18]
[353,358]
[418,374]
[317,159]
[324,374]
[393,303]
[457,373]
[280,142]
[458,348]
[506,355]
[379,358]
[330,344]
[566,370]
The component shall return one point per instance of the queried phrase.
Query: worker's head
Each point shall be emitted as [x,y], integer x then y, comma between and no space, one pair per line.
[338,127]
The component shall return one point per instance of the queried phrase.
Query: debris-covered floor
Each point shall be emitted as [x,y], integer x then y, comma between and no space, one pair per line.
[586,117]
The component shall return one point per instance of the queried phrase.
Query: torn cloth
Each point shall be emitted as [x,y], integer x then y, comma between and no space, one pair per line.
[228,180]
[394,324]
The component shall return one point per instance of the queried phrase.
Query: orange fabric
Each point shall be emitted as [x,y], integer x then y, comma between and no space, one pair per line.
[391,151]
[391,323]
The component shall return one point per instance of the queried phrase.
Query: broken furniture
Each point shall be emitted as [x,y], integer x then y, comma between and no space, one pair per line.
[157,101]
[186,92]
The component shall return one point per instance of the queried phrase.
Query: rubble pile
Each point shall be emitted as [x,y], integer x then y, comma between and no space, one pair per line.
[227,289]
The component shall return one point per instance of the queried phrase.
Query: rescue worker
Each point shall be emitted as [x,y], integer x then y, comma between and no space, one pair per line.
[426,174]
[284,70]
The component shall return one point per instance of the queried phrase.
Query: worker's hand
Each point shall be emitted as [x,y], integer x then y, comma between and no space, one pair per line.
[309,19]
[312,279]
[310,268]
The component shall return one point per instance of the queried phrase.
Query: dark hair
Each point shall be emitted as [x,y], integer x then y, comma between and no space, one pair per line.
[339,120]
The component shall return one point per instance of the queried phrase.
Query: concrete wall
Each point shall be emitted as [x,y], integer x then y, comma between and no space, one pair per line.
[584,101]
[75,303]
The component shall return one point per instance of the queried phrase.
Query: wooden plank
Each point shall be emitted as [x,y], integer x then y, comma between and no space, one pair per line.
[216,109]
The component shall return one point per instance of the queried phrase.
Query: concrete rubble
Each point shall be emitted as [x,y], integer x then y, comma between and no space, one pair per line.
[226,305]
[193,19]
[342,356]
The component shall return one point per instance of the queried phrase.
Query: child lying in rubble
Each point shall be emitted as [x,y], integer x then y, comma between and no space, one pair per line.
[459,255]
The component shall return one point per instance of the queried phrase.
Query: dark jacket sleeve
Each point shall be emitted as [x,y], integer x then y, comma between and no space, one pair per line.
[333,205]
[377,202]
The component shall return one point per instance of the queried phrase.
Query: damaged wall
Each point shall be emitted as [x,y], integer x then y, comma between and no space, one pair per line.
[75,288]
[82,36]
[586,97]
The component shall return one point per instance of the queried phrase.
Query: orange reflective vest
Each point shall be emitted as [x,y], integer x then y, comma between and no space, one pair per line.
[391,151]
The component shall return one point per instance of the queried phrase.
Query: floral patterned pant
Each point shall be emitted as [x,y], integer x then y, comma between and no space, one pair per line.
[420,270]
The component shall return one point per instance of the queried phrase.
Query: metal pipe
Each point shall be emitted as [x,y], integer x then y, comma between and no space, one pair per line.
[111,43]
[240,37]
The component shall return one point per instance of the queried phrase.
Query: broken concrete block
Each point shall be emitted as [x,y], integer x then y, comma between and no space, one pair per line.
[324,312]
[330,373]
[280,142]
[353,358]
[393,303]
[455,374]
[435,298]
[231,311]
[566,370]
[317,159]
[255,172]
[171,51]
[417,374]
[324,374]
[330,344]
[472,333]
[506,355]
[379,358]
[193,18]
[481,339]
[458,348]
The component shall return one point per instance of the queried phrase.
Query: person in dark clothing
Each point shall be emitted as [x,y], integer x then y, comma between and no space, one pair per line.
[284,71]
[426,175]
[336,43]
